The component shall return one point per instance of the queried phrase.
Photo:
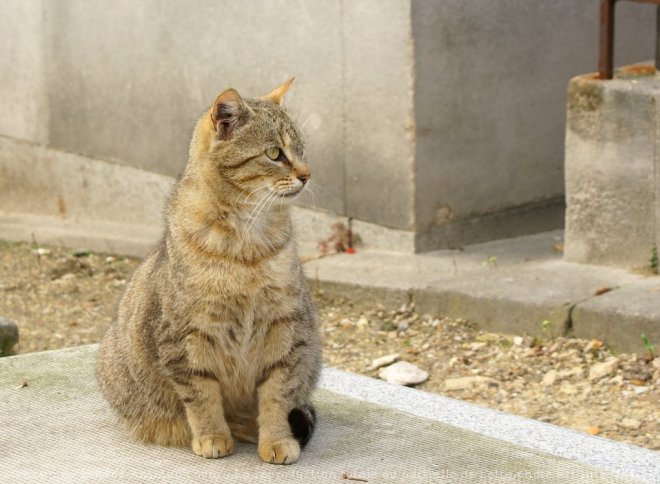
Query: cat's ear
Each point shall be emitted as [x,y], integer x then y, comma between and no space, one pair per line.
[277,95]
[228,113]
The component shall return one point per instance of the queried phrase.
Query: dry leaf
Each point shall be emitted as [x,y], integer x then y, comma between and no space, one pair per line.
[602,290]
[558,247]
[593,430]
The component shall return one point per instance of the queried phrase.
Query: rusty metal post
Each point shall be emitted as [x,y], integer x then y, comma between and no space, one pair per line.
[606,55]
[657,38]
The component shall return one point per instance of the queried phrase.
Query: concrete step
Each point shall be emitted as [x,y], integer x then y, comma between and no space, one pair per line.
[519,286]
[56,427]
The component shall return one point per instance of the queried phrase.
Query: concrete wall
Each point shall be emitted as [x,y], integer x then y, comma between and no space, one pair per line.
[440,118]
[126,81]
[490,90]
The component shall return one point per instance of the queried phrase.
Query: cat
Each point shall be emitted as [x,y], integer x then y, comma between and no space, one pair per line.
[216,335]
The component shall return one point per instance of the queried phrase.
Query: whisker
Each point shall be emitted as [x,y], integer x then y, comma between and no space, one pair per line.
[315,199]
[304,123]
[256,189]
[263,205]
[248,223]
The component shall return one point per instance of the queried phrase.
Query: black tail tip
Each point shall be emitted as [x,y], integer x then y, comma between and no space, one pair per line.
[302,422]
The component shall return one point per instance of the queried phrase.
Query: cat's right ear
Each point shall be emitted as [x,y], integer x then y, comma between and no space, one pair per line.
[228,113]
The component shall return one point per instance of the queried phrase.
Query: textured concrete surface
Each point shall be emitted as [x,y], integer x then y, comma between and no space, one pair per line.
[424,117]
[516,286]
[73,199]
[50,401]
[106,237]
[490,109]
[623,315]
[536,299]
[38,180]
[612,166]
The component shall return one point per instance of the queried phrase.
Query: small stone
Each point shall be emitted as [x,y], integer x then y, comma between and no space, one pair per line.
[346,323]
[435,323]
[549,379]
[640,390]
[403,373]
[488,338]
[616,380]
[41,251]
[109,259]
[656,362]
[518,340]
[8,336]
[362,323]
[388,326]
[567,388]
[477,345]
[576,372]
[383,361]
[403,325]
[599,370]
[630,423]
[406,308]
[467,382]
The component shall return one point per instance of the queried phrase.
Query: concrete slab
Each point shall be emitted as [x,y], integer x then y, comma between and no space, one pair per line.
[622,316]
[536,299]
[369,429]
[513,286]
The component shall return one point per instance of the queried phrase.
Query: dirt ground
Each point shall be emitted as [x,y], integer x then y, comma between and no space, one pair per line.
[60,297]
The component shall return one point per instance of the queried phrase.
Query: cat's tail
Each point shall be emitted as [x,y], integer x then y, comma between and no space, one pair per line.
[302,422]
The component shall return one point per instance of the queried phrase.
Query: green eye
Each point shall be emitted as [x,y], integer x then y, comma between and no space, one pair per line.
[273,153]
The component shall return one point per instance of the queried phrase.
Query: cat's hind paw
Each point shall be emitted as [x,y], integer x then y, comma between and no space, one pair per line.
[285,451]
[212,446]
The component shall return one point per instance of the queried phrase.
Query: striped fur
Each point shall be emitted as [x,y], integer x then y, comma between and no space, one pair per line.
[216,335]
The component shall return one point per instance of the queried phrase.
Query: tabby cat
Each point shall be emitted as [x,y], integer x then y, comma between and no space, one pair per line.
[216,335]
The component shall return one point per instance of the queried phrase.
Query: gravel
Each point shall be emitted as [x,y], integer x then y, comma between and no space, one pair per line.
[62,297]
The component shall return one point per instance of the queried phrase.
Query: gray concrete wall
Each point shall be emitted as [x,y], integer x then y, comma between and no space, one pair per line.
[126,81]
[443,118]
[490,90]
[24,112]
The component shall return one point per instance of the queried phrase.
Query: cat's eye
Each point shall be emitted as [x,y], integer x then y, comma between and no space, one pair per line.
[275,154]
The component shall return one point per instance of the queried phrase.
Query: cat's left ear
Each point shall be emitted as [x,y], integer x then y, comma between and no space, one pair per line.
[277,95]
[228,113]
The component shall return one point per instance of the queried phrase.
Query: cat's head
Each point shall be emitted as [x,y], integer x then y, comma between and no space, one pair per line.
[254,149]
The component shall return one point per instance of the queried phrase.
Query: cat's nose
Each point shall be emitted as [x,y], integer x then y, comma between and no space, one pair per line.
[304,178]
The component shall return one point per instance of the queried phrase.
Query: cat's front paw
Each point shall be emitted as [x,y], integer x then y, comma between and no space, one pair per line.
[212,446]
[284,451]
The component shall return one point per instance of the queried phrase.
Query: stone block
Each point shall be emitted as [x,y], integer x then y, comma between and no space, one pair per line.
[611,170]
[8,337]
